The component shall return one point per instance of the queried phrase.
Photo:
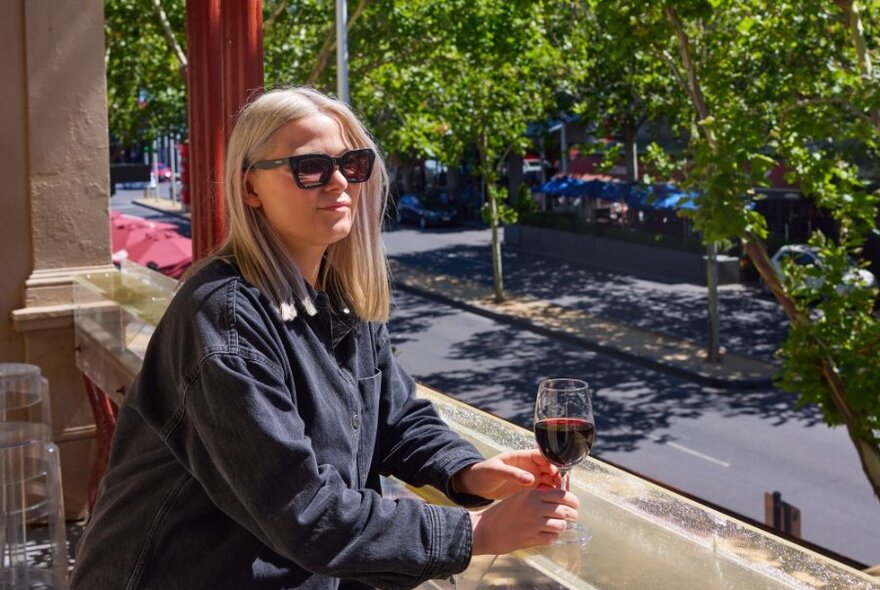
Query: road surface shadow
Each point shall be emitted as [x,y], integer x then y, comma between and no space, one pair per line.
[498,370]
[749,324]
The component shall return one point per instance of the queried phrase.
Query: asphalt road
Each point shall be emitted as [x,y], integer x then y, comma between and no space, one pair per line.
[124,202]
[728,447]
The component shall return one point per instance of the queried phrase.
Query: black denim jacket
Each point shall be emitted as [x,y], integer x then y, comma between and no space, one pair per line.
[248,453]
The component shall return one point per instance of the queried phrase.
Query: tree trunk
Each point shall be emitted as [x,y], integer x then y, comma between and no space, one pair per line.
[853,13]
[329,45]
[631,155]
[169,36]
[714,350]
[489,178]
[868,451]
[497,272]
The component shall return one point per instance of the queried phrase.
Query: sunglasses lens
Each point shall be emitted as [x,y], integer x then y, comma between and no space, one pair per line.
[314,171]
[357,165]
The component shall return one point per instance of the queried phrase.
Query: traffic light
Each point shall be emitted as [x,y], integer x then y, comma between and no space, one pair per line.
[183,151]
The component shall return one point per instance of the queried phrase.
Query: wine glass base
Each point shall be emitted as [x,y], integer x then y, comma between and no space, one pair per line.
[574,534]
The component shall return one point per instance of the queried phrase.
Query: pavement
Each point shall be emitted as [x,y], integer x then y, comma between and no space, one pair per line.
[678,356]
[163,205]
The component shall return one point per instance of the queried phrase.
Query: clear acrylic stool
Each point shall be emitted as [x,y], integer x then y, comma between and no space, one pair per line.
[24,394]
[33,550]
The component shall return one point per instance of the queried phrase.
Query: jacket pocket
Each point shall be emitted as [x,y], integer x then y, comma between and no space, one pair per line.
[366,423]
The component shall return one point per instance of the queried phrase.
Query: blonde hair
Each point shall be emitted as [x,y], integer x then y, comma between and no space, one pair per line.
[355,268]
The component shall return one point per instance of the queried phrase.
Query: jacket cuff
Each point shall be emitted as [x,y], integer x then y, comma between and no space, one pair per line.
[452,542]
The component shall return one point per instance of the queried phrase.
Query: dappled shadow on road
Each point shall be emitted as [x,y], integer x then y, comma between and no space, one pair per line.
[498,370]
[749,324]
[406,326]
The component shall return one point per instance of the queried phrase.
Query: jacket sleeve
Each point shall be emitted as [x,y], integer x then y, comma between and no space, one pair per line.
[238,432]
[415,444]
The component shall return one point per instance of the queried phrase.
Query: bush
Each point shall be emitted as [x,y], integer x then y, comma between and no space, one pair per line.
[571,223]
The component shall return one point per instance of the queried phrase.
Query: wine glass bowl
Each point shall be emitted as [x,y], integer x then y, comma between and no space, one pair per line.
[565,430]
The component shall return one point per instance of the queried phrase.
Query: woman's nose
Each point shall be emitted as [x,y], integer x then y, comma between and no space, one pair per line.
[337,179]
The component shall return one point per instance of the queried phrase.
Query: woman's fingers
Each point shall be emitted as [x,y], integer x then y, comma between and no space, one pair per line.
[557,497]
[523,520]
[563,512]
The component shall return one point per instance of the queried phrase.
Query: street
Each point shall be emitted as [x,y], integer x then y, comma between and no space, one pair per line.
[728,447]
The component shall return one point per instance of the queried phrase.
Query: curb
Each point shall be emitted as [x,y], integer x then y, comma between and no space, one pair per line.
[168,211]
[651,363]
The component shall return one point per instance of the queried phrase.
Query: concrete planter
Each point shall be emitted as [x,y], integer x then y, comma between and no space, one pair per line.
[620,256]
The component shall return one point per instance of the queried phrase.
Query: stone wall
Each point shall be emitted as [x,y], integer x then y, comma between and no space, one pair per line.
[55,203]
[620,256]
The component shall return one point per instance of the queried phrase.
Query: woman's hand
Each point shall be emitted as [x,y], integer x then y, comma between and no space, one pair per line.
[506,474]
[527,519]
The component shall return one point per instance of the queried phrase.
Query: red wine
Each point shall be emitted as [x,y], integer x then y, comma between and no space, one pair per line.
[565,441]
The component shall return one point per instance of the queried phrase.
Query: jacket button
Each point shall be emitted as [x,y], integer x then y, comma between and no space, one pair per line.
[356,421]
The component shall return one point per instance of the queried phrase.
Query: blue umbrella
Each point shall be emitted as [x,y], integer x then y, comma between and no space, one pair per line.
[576,188]
[635,195]
[676,200]
[554,186]
[593,188]
[616,191]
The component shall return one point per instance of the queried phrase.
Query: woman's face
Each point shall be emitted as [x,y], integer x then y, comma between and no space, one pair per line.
[307,220]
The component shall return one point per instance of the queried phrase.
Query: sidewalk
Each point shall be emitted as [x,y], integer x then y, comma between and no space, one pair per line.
[163,206]
[677,356]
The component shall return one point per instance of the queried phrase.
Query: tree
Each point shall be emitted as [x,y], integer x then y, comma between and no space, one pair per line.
[618,84]
[146,77]
[146,59]
[298,37]
[475,73]
[787,81]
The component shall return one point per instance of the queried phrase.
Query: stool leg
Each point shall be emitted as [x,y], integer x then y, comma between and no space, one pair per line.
[55,516]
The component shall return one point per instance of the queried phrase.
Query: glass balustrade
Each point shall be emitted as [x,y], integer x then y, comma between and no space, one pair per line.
[644,536]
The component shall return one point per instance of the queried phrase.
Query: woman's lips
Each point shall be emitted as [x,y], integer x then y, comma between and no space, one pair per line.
[336,207]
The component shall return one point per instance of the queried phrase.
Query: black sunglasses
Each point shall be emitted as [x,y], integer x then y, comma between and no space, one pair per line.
[314,170]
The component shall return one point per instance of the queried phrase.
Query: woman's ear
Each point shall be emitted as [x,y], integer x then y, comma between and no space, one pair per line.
[250,196]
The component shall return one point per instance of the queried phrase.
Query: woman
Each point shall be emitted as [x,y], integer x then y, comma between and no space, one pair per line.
[249,449]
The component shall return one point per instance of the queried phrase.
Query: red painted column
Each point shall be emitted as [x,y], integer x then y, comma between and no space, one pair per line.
[225,65]
[242,55]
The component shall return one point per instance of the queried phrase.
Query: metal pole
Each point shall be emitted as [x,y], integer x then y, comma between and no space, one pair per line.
[172,156]
[154,165]
[563,148]
[342,51]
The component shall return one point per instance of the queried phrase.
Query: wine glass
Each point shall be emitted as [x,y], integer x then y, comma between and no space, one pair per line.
[565,429]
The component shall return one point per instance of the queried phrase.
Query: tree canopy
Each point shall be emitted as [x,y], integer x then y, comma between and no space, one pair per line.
[146,81]
[787,82]
[746,85]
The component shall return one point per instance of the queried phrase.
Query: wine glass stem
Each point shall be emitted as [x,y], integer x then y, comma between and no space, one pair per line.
[566,485]
[566,479]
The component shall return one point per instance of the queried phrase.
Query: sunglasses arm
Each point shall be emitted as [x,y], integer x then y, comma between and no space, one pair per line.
[269,164]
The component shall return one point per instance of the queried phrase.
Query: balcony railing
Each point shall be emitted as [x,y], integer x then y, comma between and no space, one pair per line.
[644,536]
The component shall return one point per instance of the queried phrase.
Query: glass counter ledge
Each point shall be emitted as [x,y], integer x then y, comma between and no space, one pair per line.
[644,536]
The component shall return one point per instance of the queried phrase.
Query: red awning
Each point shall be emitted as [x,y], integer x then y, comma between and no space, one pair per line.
[163,250]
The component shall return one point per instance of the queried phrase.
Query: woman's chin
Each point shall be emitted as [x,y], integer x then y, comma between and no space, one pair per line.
[340,230]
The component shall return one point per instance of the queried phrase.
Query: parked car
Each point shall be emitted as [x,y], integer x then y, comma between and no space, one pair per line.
[804,255]
[164,172]
[424,211]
